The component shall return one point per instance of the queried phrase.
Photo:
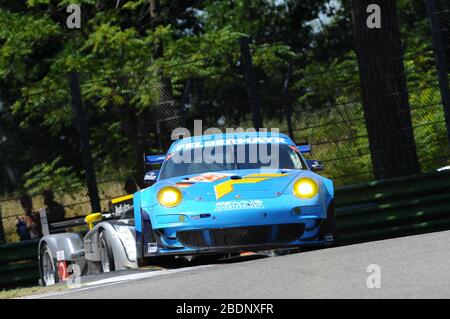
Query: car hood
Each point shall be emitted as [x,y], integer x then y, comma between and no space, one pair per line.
[231,185]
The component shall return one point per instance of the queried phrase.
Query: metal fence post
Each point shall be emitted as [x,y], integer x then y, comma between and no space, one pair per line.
[439,54]
[2,231]
[44,222]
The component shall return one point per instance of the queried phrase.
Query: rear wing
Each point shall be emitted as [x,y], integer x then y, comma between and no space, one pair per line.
[61,226]
[304,148]
[117,207]
[153,159]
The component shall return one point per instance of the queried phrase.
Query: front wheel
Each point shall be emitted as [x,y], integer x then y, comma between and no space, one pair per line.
[106,254]
[328,229]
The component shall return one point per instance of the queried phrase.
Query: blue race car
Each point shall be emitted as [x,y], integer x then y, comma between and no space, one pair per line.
[226,193]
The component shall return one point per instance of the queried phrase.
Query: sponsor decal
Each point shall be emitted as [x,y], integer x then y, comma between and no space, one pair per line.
[150,176]
[184,184]
[239,204]
[226,187]
[230,141]
[208,177]
[60,255]
[152,248]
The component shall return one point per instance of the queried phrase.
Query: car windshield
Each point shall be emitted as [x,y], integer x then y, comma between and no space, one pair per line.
[231,157]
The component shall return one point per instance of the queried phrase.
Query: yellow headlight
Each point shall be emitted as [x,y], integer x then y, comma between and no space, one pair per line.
[169,196]
[306,188]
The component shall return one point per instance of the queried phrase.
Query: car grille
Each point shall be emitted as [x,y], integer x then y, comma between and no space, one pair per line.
[241,236]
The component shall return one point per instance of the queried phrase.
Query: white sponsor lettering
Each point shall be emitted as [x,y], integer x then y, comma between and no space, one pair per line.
[230,141]
[238,204]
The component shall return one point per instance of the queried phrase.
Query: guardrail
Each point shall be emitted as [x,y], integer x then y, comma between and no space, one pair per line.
[19,261]
[395,207]
[367,211]
[19,264]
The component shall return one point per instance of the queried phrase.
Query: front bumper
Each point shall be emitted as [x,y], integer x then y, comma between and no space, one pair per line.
[276,224]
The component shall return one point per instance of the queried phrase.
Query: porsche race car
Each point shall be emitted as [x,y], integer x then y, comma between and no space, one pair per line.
[218,194]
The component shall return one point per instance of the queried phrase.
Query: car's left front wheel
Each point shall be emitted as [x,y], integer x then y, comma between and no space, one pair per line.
[328,230]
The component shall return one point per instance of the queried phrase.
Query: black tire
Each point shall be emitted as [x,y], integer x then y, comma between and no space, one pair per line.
[154,260]
[48,268]
[159,261]
[106,254]
[329,226]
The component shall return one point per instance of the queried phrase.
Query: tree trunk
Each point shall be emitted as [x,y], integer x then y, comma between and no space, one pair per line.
[443,8]
[155,16]
[83,134]
[128,122]
[384,92]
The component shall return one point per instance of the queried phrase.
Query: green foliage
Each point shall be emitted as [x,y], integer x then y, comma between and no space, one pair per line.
[21,36]
[331,116]
[427,112]
[51,175]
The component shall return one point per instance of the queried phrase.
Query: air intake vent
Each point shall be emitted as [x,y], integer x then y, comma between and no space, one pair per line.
[241,236]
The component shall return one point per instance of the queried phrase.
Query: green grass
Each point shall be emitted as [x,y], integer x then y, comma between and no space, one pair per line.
[22,292]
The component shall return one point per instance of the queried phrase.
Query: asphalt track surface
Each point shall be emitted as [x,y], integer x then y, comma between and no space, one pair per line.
[411,267]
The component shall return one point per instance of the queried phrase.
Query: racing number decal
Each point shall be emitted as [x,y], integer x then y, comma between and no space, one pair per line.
[226,187]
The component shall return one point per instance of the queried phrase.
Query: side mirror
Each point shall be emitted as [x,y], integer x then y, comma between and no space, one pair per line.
[151,177]
[315,165]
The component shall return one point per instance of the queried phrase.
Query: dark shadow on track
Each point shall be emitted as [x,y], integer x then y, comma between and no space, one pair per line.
[191,261]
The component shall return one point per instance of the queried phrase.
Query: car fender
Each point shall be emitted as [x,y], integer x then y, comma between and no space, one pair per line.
[64,247]
[329,186]
[69,244]
[121,259]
